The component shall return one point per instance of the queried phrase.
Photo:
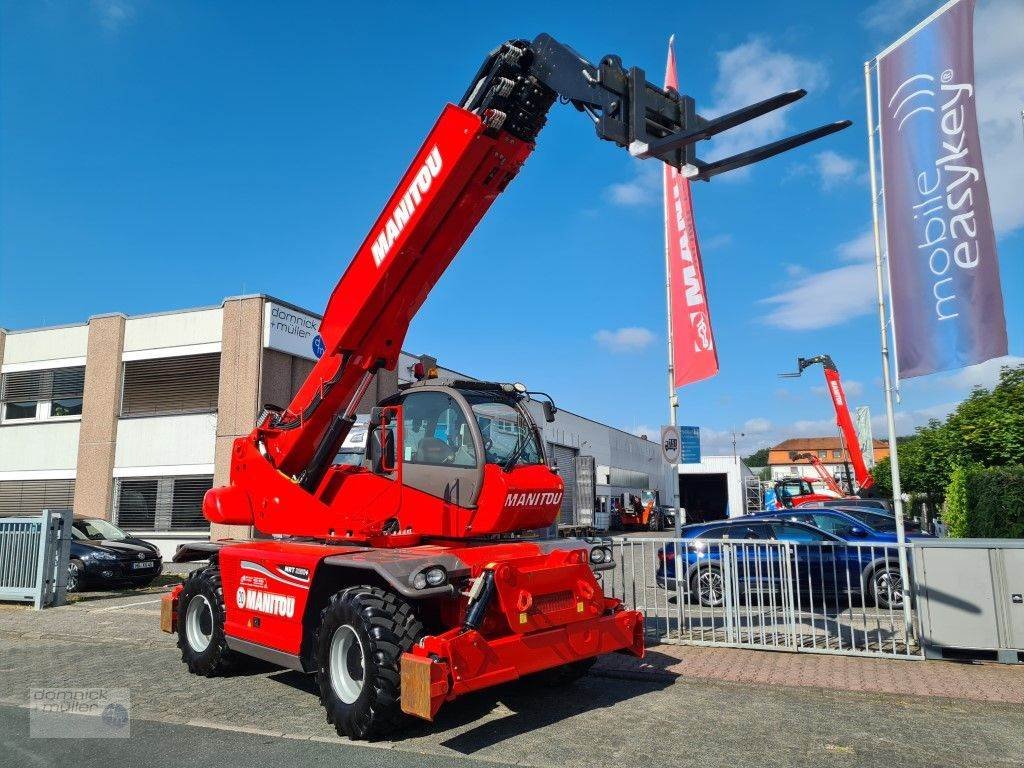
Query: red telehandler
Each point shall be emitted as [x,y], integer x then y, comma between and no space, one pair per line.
[407,581]
[851,445]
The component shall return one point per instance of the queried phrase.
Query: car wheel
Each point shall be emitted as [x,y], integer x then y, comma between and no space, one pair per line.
[204,648]
[709,586]
[362,635]
[76,572]
[886,587]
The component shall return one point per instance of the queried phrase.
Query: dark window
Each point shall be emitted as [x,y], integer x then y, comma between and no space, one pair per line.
[170,385]
[834,524]
[792,532]
[27,497]
[61,388]
[435,431]
[162,503]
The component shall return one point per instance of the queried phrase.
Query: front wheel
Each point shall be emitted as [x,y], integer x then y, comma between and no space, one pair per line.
[75,573]
[204,647]
[656,522]
[363,633]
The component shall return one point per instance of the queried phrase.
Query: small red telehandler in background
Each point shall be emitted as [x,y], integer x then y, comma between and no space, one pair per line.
[407,581]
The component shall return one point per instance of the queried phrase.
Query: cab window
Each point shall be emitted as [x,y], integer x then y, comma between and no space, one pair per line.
[435,431]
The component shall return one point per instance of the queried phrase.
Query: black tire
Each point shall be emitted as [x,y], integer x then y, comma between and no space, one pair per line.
[204,594]
[656,523]
[703,583]
[76,575]
[885,587]
[378,627]
[567,674]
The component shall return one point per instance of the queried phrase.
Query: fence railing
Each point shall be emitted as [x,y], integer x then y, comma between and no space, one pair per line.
[34,553]
[821,597]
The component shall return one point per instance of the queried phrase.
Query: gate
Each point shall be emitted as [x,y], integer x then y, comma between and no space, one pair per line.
[34,553]
[826,597]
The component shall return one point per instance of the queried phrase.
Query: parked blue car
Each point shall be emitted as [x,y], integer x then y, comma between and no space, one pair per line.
[846,524]
[826,570]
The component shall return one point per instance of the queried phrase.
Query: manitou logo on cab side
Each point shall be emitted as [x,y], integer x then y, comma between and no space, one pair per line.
[265,602]
[402,212]
[540,498]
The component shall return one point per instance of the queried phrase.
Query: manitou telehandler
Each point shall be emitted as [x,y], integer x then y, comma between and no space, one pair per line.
[407,581]
[794,492]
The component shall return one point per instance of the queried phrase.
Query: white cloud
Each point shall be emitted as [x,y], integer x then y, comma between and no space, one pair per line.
[114,14]
[851,387]
[643,189]
[834,169]
[752,72]
[624,340]
[715,241]
[756,426]
[981,375]
[824,299]
[999,77]
[861,248]
[893,16]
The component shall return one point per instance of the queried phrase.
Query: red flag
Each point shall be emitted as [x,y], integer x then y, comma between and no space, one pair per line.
[693,343]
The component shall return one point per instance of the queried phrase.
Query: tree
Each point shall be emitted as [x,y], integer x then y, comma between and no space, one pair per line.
[758,458]
[986,429]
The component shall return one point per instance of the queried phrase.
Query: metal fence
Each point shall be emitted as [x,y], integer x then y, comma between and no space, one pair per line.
[812,597]
[34,553]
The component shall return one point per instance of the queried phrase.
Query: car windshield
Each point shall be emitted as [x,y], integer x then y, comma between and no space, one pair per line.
[509,437]
[97,530]
[883,523]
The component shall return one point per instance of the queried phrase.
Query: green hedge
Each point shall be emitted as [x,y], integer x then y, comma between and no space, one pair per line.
[994,499]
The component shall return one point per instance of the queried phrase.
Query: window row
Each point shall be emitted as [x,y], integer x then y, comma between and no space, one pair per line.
[169,385]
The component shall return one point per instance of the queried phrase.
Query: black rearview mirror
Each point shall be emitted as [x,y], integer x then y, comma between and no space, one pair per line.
[549,411]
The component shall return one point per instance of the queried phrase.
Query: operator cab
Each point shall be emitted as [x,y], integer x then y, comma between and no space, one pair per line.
[449,433]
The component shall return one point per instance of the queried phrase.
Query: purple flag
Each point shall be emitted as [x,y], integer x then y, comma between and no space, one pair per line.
[946,298]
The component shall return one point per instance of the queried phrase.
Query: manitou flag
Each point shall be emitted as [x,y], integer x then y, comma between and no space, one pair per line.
[946,299]
[694,355]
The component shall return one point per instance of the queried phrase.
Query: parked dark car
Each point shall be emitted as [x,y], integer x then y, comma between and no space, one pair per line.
[849,524]
[104,555]
[828,570]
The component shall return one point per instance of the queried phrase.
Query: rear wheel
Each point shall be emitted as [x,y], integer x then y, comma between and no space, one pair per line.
[657,522]
[709,587]
[886,587]
[363,633]
[204,648]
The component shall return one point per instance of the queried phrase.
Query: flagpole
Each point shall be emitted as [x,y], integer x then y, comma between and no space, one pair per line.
[890,414]
[673,400]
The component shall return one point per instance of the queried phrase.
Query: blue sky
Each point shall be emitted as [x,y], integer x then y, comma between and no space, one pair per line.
[160,155]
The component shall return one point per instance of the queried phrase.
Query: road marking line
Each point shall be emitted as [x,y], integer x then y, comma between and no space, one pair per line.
[126,605]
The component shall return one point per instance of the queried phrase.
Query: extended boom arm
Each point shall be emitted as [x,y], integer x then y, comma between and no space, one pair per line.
[843,419]
[469,157]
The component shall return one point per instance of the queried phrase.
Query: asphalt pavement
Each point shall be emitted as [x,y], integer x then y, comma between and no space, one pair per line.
[270,716]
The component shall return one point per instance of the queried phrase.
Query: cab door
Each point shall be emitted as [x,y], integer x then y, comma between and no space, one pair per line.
[440,451]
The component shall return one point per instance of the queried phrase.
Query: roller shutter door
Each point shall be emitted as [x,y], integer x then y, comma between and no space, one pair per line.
[566,460]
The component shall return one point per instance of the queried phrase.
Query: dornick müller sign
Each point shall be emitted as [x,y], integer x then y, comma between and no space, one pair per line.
[946,297]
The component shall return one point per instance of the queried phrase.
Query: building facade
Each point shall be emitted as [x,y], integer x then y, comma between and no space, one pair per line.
[829,451]
[132,418]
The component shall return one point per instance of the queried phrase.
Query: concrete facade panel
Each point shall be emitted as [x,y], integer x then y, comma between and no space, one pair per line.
[178,329]
[43,445]
[46,344]
[156,441]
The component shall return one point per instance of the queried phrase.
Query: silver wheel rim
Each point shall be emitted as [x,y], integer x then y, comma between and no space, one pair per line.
[199,623]
[72,584]
[889,586]
[710,587]
[347,663]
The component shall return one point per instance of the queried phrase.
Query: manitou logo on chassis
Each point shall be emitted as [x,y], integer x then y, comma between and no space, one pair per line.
[533,499]
[402,212]
[265,602]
